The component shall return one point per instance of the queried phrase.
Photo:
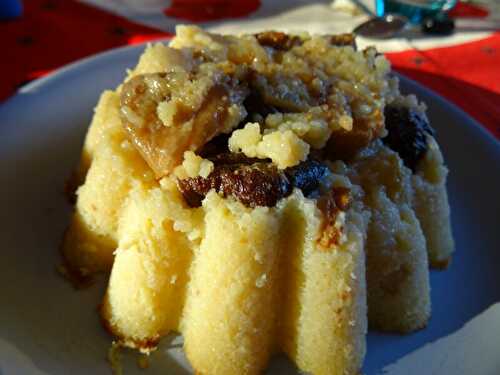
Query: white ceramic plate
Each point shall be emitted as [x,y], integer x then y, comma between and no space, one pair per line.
[46,327]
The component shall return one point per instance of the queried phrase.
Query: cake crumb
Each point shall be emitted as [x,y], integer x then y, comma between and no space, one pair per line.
[284,148]
[193,166]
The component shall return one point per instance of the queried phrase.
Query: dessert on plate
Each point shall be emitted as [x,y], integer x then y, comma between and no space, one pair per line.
[260,194]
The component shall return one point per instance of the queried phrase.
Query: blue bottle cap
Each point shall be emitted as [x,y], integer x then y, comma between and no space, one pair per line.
[10,9]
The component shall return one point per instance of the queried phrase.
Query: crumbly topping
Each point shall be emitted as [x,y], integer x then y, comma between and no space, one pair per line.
[304,91]
[193,166]
[313,130]
[283,147]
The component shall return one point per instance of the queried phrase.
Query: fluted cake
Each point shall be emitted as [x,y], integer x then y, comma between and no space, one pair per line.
[260,194]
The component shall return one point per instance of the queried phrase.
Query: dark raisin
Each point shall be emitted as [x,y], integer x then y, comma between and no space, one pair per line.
[195,189]
[255,185]
[307,176]
[343,40]
[252,181]
[277,40]
[407,133]
[258,184]
[216,146]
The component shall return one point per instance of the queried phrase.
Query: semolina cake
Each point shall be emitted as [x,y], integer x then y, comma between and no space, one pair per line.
[260,194]
[397,266]
[420,152]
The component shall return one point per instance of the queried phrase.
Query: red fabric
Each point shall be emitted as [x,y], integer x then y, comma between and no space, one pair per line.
[467,74]
[210,10]
[468,10]
[52,33]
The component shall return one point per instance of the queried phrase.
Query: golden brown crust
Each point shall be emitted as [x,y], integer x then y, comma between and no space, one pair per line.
[144,345]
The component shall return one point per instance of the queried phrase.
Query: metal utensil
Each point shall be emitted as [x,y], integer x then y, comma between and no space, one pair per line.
[382,27]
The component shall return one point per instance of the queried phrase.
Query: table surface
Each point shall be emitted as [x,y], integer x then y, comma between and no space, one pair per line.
[463,67]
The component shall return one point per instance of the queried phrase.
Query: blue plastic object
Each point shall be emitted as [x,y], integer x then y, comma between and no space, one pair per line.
[417,10]
[379,8]
[10,9]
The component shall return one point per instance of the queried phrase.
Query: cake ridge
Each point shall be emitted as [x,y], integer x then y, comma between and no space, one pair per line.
[244,278]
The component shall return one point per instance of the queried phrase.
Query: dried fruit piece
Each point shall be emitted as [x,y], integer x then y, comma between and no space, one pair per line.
[258,184]
[277,40]
[162,144]
[408,130]
[252,181]
[284,42]
[307,175]
[341,40]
